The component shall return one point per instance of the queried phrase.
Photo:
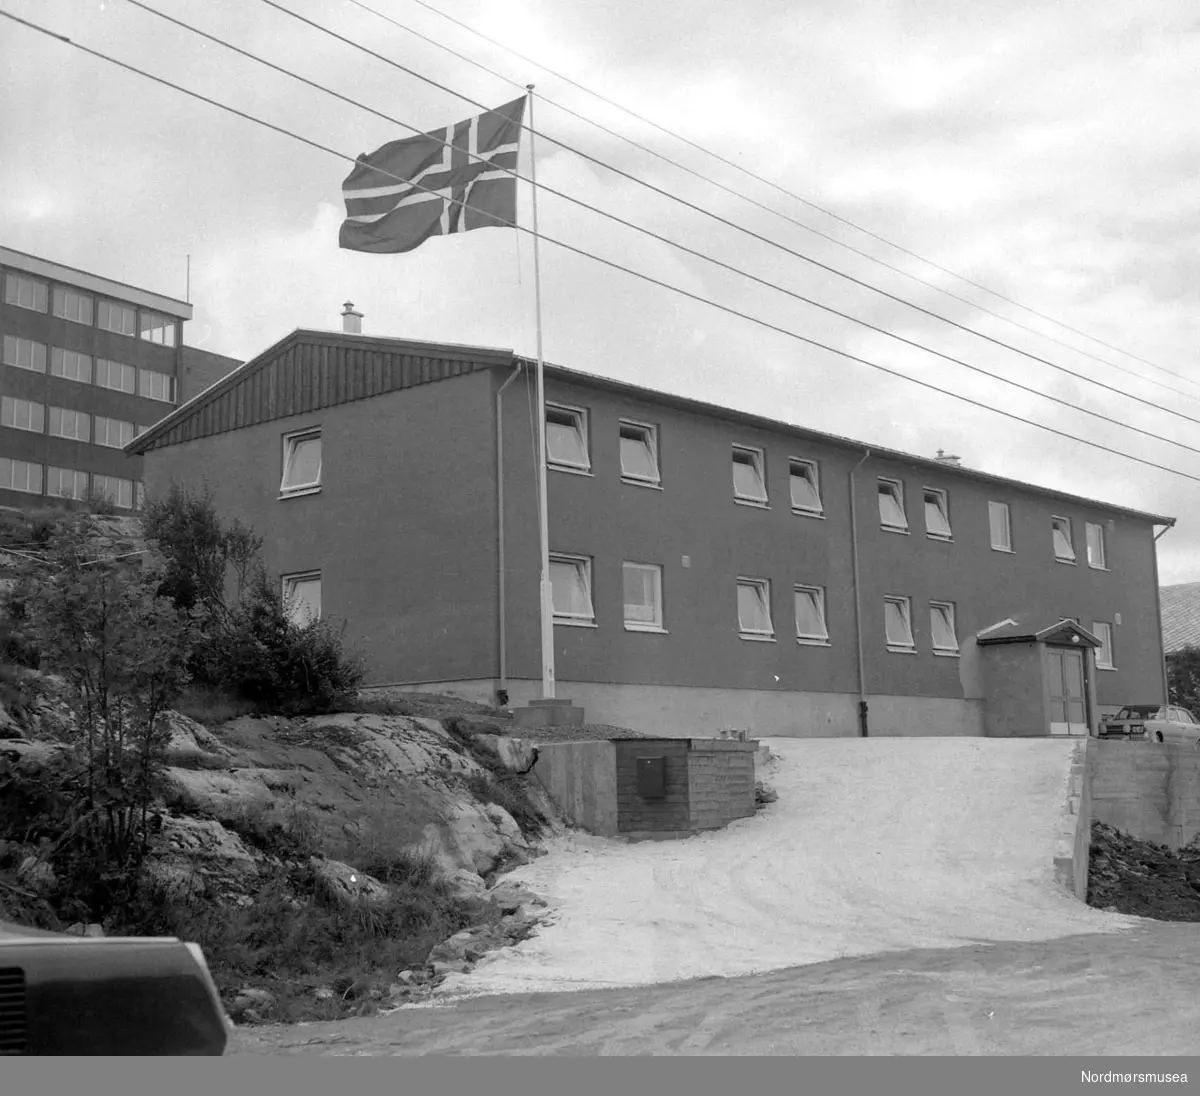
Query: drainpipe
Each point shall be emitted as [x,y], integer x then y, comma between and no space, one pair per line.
[1158,607]
[502,686]
[862,693]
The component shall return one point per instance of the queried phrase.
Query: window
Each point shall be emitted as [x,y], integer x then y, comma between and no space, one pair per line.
[897,616]
[302,597]
[1104,653]
[114,375]
[639,452]
[643,597]
[72,305]
[891,506]
[25,292]
[1063,549]
[567,438]
[941,627]
[115,433]
[20,475]
[571,589]
[66,483]
[117,317]
[810,615]
[25,354]
[156,386]
[70,365]
[157,328]
[749,479]
[806,487]
[937,514]
[23,414]
[1097,556]
[118,491]
[754,608]
[1001,522]
[301,463]
[75,425]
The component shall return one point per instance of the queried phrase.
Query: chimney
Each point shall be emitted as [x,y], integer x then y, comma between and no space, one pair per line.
[946,458]
[351,320]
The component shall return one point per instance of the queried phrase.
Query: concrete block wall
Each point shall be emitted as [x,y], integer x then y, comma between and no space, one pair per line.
[637,815]
[720,782]
[1075,824]
[1149,790]
[581,778]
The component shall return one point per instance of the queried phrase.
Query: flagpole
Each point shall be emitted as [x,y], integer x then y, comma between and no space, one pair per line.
[546,600]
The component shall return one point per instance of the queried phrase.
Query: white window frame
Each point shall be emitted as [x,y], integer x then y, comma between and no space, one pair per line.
[810,472]
[1102,565]
[78,418]
[122,495]
[288,584]
[139,494]
[127,376]
[945,609]
[941,503]
[579,423]
[290,442]
[150,323]
[13,353]
[58,365]
[26,292]
[583,571]
[897,493]
[1004,508]
[11,481]
[78,493]
[1068,536]
[816,596]
[757,461]
[762,588]
[656,624]
[106,310]
[649,440]
[105,429]
[20,414]
[1103,631]
[66,304]
[904,604]
[155,385]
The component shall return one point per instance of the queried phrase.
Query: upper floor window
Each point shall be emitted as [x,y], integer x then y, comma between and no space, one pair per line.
[567,438]
[302,598]
[1097,556]
[25,292]
[115,433]
[21,475]
[115,375]
[25,354]
[1104,653]
[643,597]
[639,453]
[1064,550]
[897,618]
[806,487]
[1000,519]
[120,318]
[891,505]
[23,414]
[70,365]
[810,615]
[749,475]
[301,463]
[937,514]
[754,608]
[571,589]
[157,328]
[156,386]
[72,305]
[75,425]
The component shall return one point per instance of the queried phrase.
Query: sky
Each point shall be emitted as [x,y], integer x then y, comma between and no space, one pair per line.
[1045,153]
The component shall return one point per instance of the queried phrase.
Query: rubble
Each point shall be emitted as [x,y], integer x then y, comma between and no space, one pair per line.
[1129,876]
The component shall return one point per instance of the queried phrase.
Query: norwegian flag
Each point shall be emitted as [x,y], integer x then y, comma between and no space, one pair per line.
[431,185]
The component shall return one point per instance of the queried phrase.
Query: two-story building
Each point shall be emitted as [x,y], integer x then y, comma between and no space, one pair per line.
[710,568]
[87,364]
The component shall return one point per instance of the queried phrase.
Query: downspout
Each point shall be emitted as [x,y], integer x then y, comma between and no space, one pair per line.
[862,690]
[502,684]
[1158,607]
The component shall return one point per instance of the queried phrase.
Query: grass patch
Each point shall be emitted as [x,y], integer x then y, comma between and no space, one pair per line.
[290,833]
[211,706]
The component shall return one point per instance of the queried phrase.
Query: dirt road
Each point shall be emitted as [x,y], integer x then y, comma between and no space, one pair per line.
[1130,993]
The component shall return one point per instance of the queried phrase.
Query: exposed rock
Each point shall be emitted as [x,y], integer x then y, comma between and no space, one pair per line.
[442,967]
[37,875]
[348,883]
[468,883]
[516,754]
[453,949]
[323,993]
[190,742]
[187,845]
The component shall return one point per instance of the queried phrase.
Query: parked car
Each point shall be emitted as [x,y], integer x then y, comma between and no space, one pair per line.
[1174,724]
[1129,722]
[78,995]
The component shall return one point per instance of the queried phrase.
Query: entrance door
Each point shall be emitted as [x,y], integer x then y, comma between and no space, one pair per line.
[1068,707]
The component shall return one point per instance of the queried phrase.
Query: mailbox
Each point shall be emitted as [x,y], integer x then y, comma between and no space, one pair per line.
[652,777]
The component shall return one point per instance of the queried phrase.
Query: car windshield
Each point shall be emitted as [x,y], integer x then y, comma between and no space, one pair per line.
[1134,712]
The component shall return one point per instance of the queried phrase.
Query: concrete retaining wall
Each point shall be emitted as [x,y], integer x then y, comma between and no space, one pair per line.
[1075,827]
[1149,790]
[581,778]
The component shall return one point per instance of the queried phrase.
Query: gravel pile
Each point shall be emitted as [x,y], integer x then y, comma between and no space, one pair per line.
[1129,876]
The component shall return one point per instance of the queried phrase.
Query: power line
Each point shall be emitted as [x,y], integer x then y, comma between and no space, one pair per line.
[792,195]
[731,224]
[763,206]
[606,262]
[687,250]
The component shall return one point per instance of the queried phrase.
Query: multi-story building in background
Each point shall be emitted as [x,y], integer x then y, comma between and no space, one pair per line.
[88,364]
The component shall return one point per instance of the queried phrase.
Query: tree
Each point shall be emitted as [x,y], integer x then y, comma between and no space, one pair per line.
[1183,678]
